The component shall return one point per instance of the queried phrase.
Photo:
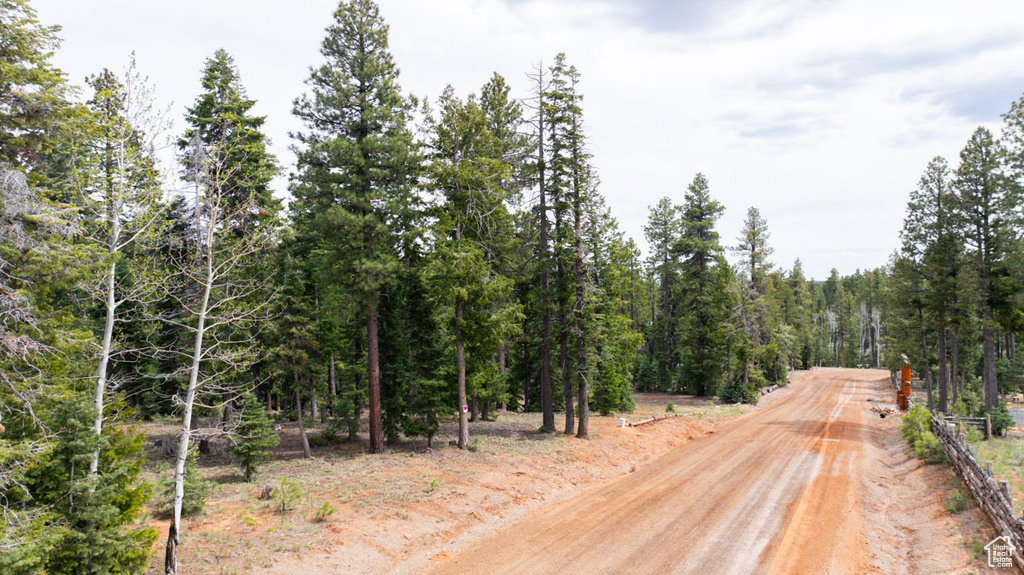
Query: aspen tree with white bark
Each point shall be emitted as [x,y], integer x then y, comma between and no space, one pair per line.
[116,175]
[218,307]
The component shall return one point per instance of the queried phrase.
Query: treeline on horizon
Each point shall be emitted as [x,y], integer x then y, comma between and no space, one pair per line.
[438,260]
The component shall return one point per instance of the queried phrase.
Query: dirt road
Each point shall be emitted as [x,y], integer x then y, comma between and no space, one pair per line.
[780,490]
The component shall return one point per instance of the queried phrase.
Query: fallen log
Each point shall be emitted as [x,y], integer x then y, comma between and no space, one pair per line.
[650,420]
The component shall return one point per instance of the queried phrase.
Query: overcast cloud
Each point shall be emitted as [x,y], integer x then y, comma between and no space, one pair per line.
[823,114]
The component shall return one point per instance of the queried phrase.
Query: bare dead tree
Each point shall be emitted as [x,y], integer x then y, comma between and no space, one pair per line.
[219,311]
[119,186]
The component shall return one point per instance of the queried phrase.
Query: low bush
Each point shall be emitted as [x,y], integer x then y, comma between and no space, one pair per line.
[1001,419]
[917,432]
[289,494]
[956,502]
[929,449]
[323,512]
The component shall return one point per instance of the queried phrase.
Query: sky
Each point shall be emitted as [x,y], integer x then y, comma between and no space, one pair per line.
[821,113]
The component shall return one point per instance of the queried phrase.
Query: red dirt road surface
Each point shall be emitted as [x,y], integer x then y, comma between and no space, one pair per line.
[798,486]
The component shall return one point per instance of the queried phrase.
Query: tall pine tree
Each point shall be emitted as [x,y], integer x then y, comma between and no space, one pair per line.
[356,163]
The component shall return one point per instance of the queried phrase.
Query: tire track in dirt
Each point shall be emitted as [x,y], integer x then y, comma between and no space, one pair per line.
[774,491]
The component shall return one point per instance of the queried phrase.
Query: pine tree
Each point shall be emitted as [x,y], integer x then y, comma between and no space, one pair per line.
[931,240]
[702,297]
[544,255]
[612,342]
[95,510]
[356,159]
[468,171]
[988,206]
[33,92]
[662,231]
[572,184]
[220,122]
[42,353]
[295,345]
[255,435]
[754,251]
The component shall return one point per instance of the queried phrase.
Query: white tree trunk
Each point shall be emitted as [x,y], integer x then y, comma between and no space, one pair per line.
[101,371]
[186,422]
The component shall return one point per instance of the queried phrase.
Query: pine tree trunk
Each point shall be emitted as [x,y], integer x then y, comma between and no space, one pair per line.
[956,368]
[502,407]
[567,394]
[302,424]
[527,372]
[373,375]
[332,383]
[474,406]
[547,403]
[925,369]
[989,348]
[728,361]
[943,373]
[460,363]
[581,336]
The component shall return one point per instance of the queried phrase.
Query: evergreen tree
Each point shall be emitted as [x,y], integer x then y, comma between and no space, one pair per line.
[33,92]
[95,511]
[754,251]
[220,123]
[468,171]
[255,435]
[572,183]
[662,231]
[988,206]
[932,243]
[613,344]
[702,295]
[355,167]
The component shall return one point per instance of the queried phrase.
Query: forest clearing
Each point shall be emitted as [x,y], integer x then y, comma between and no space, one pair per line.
[765,484]
[410,503]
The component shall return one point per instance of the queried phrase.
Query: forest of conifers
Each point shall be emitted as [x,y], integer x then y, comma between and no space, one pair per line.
[434,260]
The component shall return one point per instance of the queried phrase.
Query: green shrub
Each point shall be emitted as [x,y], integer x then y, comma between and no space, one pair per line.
[434,485]
[915,423]
[670,408]
[289,493]
[1001,419]
[929,449]
[917,432]
[969,404]
[738,393]
[972,434]
[323,512]
[255,434]
[197,489]
[956,502]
